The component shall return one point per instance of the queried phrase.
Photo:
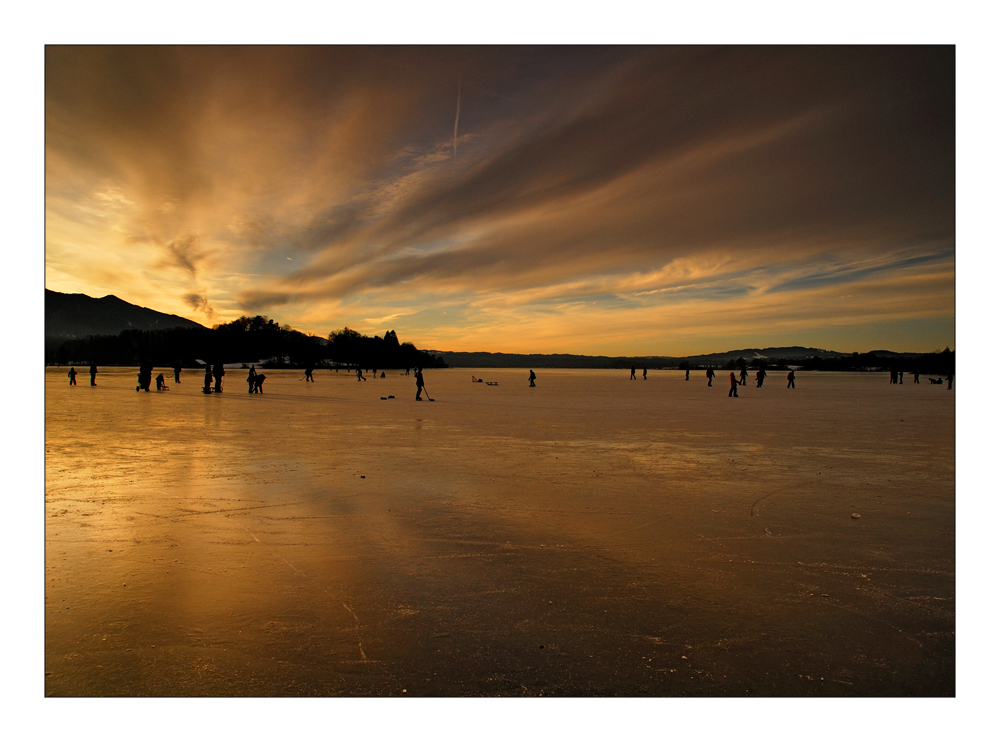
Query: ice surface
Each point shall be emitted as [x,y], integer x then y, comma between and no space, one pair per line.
[591,536]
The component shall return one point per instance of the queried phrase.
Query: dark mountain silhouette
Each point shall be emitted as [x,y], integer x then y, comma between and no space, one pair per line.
[79,315]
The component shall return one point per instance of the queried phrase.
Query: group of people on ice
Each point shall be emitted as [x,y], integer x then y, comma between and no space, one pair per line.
[735,383]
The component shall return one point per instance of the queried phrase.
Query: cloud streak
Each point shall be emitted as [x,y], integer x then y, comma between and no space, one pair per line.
[659,178]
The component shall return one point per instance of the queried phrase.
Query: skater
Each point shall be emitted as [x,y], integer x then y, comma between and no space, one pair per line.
[916,377]
[420,383]
[145,377]
[218,373]
[710,374]
[632,377]
[743,375]
[251,376]
[72,376]
[950,377]
[93,374]
[687,374]
[374,373]
[382,375]
[360,377]
[644,374]
[791,380]
[258,384]
[177,372]
[531,377]
[161,384]
[309,374]
[733,384]
[208,380]
[892,376]
[761,374]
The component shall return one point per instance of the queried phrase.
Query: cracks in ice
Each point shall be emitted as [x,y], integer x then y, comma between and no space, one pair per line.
[357,622]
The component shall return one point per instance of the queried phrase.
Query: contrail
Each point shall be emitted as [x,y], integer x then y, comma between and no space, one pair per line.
[458,110]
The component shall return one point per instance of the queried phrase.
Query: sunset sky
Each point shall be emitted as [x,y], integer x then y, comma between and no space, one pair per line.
[613,200]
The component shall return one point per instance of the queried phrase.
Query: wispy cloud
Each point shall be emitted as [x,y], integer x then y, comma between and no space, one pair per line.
[659,180]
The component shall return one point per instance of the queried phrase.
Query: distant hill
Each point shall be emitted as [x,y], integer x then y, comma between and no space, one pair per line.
[79,315]
[563,360]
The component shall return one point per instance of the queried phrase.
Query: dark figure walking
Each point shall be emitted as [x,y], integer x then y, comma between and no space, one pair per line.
[218,372]
[632,377]
[177,373]
[916,378]
[208,380]
[644,374]
[743,376]
[420,383]
[892,376]
[791,380]
[258,384]
[761,374]
[309,374]
[251,376]
[72,376]
[950,378]
[531,377]
[710,374]
[93,374]
[374,372]
[733,384]
[360,377]
[161,384]
[687,374]
[145,376]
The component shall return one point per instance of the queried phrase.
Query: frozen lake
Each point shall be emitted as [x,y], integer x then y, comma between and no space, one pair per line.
[591,536]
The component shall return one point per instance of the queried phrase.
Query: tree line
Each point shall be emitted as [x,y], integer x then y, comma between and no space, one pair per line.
[942,363]
[256,339]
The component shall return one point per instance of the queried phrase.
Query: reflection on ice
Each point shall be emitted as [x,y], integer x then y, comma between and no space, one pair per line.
[584,537]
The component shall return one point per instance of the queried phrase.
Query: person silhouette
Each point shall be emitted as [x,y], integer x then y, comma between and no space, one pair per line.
[687,374]
[72,376]
[743,376]
[218,372]
[251,378]
[791,380]
[258,384]
[160,383]
[309,374]
[177,372]
[916,377]
[360,377]
[950,378]
[644,374]
[420,383]
[208,379]
[93,374]
[632,377]
[733,384]
[374,373]
[710,374]
[382,375]
[761,375]
[145,376]
[531,377]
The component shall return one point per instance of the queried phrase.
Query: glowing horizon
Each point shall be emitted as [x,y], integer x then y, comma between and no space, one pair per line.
[595,200]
